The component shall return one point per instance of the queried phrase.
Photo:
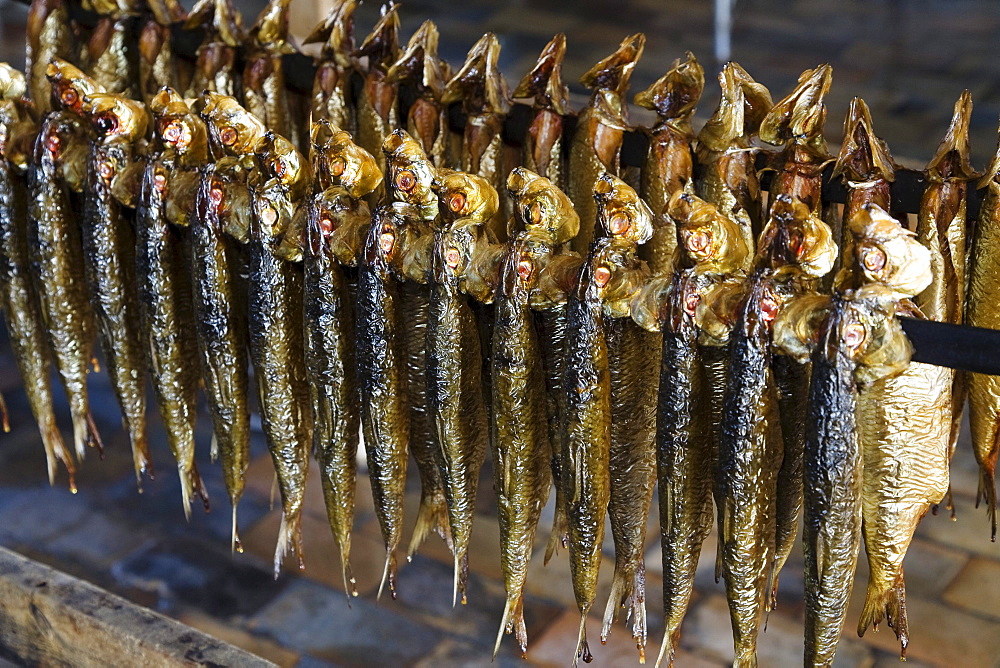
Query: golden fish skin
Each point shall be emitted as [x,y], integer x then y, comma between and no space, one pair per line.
[18,298]
[521,464]
[427,119]
[625,218]
[669,165]
[485,98]
[109,247]
[597,141]
[726,154]
[111,58]
[543,145]
[382,376]
[277,349]
[332,97]
[56,251]
[264,74]
[981,311]
[941,226]
[215,64]
[49,35]
[378,108]
[157,67]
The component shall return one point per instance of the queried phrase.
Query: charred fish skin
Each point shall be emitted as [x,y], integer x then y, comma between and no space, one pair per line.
[384,396]
[56,252]
[332,97]
[18,299]
[109,248]
[543,145]
[626,219]
[981,311]
[726,153]
[277,349]
[669,165]
[455,388]
[596,144]
[482,89]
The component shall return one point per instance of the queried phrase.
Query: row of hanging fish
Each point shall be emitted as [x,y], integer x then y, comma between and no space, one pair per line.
[402,282]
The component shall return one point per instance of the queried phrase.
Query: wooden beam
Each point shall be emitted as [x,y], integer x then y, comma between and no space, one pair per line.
[50,618]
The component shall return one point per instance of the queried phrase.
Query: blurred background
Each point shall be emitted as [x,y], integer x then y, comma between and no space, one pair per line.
[910,60]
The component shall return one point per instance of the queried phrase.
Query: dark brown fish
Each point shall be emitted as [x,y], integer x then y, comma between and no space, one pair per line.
[215,65]
[543,145]
[332,97]
[596,144]
[263,72]
[482,89]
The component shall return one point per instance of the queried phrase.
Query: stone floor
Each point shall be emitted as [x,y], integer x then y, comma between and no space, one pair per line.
[910,60]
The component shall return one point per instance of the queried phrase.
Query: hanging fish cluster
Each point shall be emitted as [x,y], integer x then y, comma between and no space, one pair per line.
[415,287]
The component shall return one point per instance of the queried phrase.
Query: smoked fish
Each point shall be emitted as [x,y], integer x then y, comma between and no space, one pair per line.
[596,144]
[332,97]
[49,35]
[264,74]
[215,64]
[543,145]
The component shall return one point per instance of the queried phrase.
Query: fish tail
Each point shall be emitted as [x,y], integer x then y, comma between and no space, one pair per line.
[289,540]
[988,492]
[234,540]
[140,450]
[887,603]
[504,623]
[582,648]
[5,416]
[93,437]
[560,532]
[431,516]
[55,451]
[771,601]
[628,590]
[350,583]
[80,435]
[388,574]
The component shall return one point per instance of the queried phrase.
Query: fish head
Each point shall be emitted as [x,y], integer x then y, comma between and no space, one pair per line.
[864,329]
[708,239]
[884,252]
[741,110]
[409,173]
[62,140]
[675,94]
[279,161]
[544,81]
[620,211]
[177,126]
[796,328]
[605,277]
[387,236]
[800,116]
[466,197]
[232,130]
[382,43]
[419,62]
[273,213]
[478,84]
[541,206]
[336,32]
[341,162]
[795,241]
[115,116]
[69,86]
[863,155]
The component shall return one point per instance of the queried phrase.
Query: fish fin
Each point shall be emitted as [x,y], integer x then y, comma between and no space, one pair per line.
[4,416]
[887,603]
[140,451]
[93,437]
[513,621]
[187,491]
[80,436]
[431,516]
[289,540]
[582,648]
[987,484]
[274,490]
[559,535]
[628,590]
[504,623]
[667,647]
[350,588]
[234,540]
[388,575]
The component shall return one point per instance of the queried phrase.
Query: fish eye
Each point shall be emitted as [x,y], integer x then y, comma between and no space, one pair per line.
[456,202]
[855,335]
[873,259]
[768,308]
[228,135]
[106,170]
[452,257]
[107,123]
[405,180]
[69,97]
[524,268]
[159,182]
[215,195]
[619,223]
[698,241]
[691,301]
[54,144]
[326,226]
[278,167]
[387,241]
[795,243]
[269,216]
[602,275]
[337,167]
